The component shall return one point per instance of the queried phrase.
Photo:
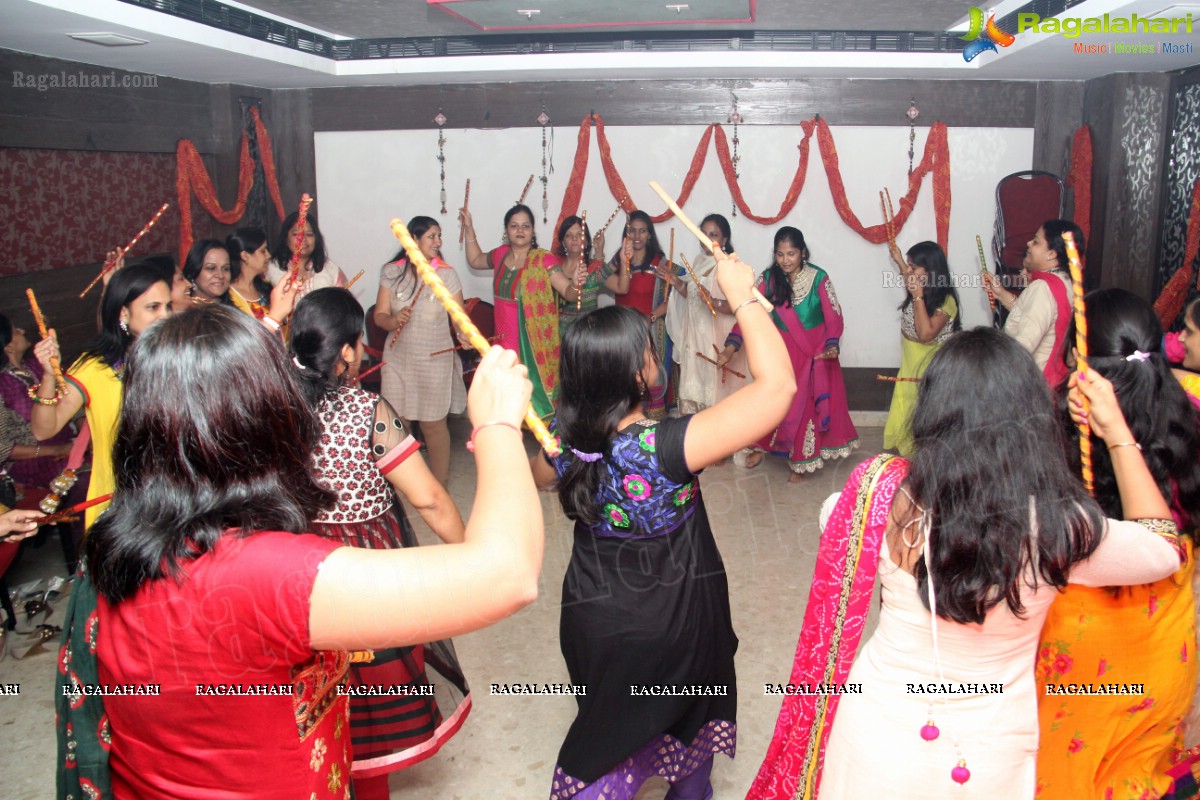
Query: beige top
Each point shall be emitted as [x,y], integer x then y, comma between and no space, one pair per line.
[1031,320]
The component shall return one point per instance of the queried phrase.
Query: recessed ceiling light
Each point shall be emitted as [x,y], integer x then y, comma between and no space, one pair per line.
[108,39]
[528,12]
[677,7]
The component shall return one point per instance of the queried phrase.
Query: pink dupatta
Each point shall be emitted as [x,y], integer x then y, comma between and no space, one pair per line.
[838,603]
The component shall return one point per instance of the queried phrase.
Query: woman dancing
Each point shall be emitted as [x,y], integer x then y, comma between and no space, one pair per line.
[817,427]
[135,298]
[365,451]
[525,304]
[1142,634]
[928,316]
[579,279]
[941,701]
[631,485]
[207,271]
[317,271]
[421,386]
[210,591]
[30,464]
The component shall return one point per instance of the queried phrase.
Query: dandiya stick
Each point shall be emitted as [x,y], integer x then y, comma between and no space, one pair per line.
[613,215]
[60,516]
[708,244]
[720,366]
[695,279]
[888,220]
[352,280]
[1081,331]
[301,223]
[983,270]
[462,229]
[108,265]
[583,268]
[891,379]
[525,191]
[367,372]
[718,352]
[671,261]
[493,340]
[456,312]
[41,323]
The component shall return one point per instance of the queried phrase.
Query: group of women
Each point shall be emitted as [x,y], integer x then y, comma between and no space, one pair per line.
[216,555]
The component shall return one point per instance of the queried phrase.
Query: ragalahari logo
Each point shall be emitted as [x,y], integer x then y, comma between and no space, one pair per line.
[981,37]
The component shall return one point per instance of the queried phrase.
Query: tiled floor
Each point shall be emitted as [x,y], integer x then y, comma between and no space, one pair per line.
[767,533]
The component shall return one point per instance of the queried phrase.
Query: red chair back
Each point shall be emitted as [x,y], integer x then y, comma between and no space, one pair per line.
[1024,200]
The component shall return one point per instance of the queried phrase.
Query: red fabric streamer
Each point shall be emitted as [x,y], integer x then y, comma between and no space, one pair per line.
[1080,179]
[267,155]
[1171,298]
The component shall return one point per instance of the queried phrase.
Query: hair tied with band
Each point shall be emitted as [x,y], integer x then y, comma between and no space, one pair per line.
[1137,355]
[588,457]
[296,361]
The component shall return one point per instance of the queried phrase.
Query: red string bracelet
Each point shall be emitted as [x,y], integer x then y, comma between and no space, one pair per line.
[478,428]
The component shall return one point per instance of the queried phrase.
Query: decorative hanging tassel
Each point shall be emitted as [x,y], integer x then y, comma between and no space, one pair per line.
[440,121]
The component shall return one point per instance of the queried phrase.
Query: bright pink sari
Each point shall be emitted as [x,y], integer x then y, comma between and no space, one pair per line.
[838,603]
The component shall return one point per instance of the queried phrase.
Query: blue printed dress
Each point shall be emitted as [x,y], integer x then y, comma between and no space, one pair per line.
[645,624]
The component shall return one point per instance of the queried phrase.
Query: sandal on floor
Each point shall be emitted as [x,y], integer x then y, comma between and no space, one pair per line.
[41,639]
[742,458]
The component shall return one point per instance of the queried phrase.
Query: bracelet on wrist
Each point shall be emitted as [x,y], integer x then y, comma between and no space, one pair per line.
[272,323]
[488,424]
[60,391]
[749,301]
[1124,444]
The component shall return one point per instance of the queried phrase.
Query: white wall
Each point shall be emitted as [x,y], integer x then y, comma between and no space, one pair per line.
[364,179]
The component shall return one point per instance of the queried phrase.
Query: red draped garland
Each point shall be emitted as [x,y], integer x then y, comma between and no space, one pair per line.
[1080,179]
[935,161]
[1170,301]
[191,177]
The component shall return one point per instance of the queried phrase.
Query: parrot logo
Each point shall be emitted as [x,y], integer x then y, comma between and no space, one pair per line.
[983,37]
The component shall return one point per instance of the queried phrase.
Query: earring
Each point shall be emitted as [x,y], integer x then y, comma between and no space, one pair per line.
[504,238]
[124,327]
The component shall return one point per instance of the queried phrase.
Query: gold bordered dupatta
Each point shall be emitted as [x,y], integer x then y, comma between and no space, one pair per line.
[838,603]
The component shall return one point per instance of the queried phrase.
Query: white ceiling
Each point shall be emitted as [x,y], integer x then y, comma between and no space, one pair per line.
[182,49]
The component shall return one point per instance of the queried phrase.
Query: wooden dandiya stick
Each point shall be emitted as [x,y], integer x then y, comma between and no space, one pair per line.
[720,366]
[492,339]
[525,191]
[891,379]
[301,222]
[671,262]
[462,229]
[41,323]
[708,243]
[367,372]
[61,516]
[613,215]
[718,352]
[352,280]
[108,265]
[582,266]
[888,221]
[695,279]
[464,323]
[983,270]
[1081,348]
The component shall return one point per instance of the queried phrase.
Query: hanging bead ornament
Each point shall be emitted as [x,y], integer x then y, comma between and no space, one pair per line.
[543,119]
[912,114]
[735,119]
[440,121]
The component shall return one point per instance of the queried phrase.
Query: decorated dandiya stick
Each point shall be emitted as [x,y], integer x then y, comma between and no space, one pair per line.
[367,372]
[462,229]
[613,215]
[108,265]
[355,278]
[892,379]
[708,243]
[695,279]
[888,221]
[1081,348]
[525,191]
[44,333]
[301,223]
[582,267]
[983,270]
[61,516]
[492,339]
[464,323]
[720,366]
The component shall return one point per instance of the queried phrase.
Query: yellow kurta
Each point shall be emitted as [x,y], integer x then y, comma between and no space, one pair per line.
[101,390]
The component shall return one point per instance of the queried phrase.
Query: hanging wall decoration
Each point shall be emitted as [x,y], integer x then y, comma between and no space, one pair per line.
[543,119]
[440,121]
[735,119]
[912,114]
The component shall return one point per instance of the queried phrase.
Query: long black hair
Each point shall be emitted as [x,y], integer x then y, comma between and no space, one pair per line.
[282,251]
[600,381]
[653,248]
[193,265]
[418,226]
[723,225]
[213,436]
[1156,408]
[128,284]
[246,240]
[323,323]
[779,285]
[978,467]
[939,284]
[562,233]
[1053,230]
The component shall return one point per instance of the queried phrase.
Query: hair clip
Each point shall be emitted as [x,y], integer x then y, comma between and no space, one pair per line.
[296,361]
[588,457]
[1138,355]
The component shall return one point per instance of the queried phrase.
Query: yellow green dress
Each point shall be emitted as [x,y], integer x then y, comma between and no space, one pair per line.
[914,357]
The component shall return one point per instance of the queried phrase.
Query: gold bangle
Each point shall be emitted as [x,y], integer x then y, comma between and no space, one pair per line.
[60,391]
[1125,444]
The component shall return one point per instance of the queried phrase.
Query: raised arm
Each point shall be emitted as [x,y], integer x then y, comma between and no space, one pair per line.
[48,418]
[756,409]
[373,599]
[476,256]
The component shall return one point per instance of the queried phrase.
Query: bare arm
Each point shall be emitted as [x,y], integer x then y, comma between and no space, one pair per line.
[47,420]
[371,599]
[543,474]
[756,409]
[476,257]
[413,479]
